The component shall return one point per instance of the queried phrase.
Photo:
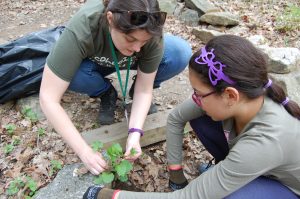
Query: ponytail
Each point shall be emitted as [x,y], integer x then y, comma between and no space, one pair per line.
[276,93]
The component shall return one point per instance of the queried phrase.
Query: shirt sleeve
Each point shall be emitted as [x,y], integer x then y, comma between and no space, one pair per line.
[176,122]
[66,56]
[151,56]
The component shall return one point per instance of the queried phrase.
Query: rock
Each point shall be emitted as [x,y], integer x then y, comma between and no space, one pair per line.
[201,6]
[189,17]
[168,6]
[238,30]
[178,9]
[220,18]
[33,103]
[204,34]
[257,39]
[290,83]
[65,186]
[282,60]
[297,45]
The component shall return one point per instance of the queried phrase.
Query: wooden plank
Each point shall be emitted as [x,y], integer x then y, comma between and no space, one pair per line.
[154,127]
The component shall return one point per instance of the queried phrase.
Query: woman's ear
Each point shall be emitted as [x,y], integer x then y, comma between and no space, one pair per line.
[232,95]
[109,16]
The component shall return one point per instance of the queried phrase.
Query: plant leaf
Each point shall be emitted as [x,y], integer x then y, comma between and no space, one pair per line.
[107,177]
[97,145]
[123,178]
[115,150]
[123,168]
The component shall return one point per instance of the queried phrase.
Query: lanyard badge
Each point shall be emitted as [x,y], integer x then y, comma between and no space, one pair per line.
[123,89]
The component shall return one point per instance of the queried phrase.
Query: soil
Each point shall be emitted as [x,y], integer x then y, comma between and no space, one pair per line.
[34,154]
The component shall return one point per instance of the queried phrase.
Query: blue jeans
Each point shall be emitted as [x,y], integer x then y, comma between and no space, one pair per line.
[89,79]
[212,137]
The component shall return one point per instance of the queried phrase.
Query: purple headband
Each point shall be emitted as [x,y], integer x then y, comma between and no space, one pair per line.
[215,71]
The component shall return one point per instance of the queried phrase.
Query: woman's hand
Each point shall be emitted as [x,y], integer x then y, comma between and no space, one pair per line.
[133,143]
[93,161]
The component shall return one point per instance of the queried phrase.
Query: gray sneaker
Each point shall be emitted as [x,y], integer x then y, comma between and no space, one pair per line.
[108,106]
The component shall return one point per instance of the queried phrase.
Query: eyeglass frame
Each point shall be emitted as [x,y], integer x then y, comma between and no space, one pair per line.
[129,12]
[198,98]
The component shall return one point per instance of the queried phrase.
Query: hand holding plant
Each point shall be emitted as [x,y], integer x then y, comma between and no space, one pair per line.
[118,167]
[133,143]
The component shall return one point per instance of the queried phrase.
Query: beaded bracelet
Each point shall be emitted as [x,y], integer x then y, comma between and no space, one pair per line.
[131,130]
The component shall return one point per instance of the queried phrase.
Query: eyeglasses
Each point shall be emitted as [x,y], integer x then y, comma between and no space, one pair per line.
[197,98]
[138,18]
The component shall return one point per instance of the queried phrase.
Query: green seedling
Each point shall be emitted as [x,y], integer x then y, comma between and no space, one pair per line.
[41,131]
[29,114]
[16,141]
[55,166]
[10,128]
[118,166]
[19,183]
[15,186]
[32,186]
[8,148]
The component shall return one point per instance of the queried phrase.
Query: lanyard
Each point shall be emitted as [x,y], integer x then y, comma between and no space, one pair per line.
[124,89]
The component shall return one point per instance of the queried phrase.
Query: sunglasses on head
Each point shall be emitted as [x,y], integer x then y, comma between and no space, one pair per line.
[138,18]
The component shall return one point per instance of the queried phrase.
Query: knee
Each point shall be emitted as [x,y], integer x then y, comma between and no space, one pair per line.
[177,51]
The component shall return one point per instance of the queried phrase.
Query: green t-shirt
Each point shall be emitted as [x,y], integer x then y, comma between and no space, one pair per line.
[86,36]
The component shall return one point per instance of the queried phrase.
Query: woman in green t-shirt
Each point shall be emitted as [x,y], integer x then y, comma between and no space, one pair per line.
[101,39]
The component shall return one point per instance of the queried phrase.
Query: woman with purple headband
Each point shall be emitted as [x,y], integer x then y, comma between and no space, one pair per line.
[243,119]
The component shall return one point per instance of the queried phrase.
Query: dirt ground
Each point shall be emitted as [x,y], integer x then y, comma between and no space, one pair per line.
[32,157]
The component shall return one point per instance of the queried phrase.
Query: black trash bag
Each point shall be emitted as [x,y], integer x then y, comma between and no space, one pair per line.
[22,62]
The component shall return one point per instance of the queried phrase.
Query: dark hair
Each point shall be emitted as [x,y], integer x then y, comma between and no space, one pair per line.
[246,66]
[123,24]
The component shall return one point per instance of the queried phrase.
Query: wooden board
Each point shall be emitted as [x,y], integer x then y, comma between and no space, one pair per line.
[154,127]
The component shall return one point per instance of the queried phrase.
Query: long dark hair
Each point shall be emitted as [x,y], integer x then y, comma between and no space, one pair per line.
[246,66]
[123,24]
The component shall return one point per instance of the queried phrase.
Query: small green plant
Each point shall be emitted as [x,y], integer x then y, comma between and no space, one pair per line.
[41,131]
[118,167]
[32,186]
[19,183]
[289,20]
[29,114]
[15,186]
[55,166]
[16,141]
[8,148]
[10,128]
